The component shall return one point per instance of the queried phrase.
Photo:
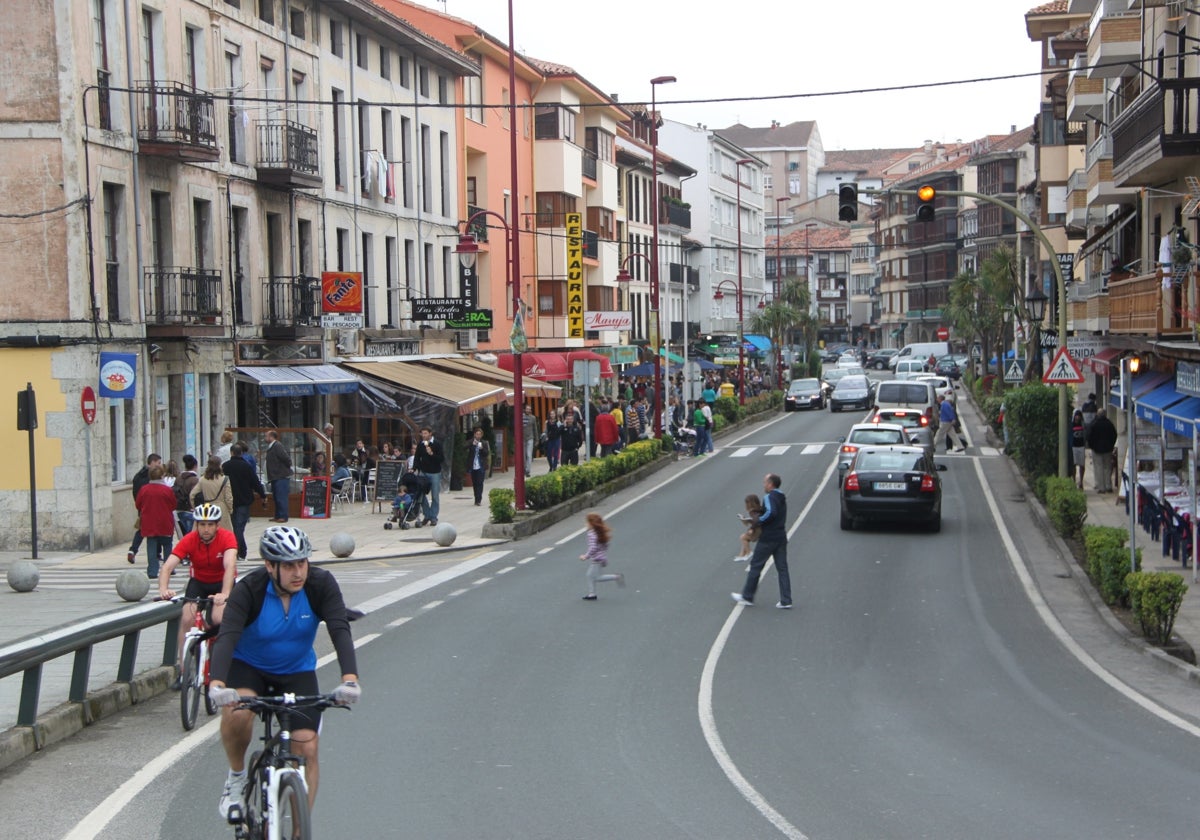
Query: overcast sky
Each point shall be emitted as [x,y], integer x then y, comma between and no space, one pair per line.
[790,48]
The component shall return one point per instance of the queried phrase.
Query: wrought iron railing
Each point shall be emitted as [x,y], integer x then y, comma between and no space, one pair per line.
[172,112]
[291,301]
[183,295]
[1168,111]
[479,227]
[288,145]
[679,216]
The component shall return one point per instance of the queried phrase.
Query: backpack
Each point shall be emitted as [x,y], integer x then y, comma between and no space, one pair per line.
[183,501]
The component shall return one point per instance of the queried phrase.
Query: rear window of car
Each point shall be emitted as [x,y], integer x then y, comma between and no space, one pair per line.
[903,392]
[890,460]
[903,418]
[805,385]
[877,436]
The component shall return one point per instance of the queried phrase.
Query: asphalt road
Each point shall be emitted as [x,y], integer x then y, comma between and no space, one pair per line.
[913,692]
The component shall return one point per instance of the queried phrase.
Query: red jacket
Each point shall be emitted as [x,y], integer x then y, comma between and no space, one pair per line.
[156,508]
[606,429]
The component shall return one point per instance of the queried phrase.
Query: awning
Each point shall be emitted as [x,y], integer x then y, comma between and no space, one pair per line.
[760,342]
[1141,384]
[298,380]
[1150,406]
[1096,238]
[1181,417]
[1103,361]
[555,367]
[493,375]
[466,395]
[670,357]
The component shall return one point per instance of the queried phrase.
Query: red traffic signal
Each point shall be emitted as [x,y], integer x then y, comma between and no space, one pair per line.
[925,198]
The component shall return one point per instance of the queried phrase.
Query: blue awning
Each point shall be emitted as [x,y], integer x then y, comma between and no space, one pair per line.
[298,380]
[1149,406]
[761,343]
[1141,384]
[1182,416]
[330,379]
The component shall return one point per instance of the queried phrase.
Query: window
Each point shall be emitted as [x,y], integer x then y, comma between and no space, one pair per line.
[385,62]
[122,437]
[113,248]
[554,122]
[426,170]
[368,288]
[364,143]
[266,11]
[443,94]
[339,175]
[297,23]
[304,246]
[233,81]
[100,57]
[360,51]
[552,207]
[600,142]
[551,297]
[402,70]
[335,37]
[423,81]
[444,170]
[391,280]
[385,146]
[202,233]
[473,91]
[192,45]
[472,191]
[406,147]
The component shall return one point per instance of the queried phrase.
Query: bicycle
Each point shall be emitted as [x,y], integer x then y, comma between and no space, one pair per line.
[194,664]
[276,793]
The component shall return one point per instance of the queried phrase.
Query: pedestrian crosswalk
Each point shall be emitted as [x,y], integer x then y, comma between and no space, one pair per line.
[777,449]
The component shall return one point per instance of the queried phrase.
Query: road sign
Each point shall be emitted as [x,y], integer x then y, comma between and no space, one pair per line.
[1062,370]
[943,333]
[338,321]
[1015,371]
[87,405]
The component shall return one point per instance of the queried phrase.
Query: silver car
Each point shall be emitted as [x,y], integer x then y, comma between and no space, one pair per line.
[868,434]
[914,422]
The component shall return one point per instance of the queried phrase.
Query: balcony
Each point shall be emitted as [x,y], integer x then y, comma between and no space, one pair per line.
[288,155]
[677,215]
[1089,313]
[1085,96]
[183,301]
[291,306]
[479,227]
[589,164]
[1101,188]
[1141,306]
[1114,41]
[1077,200]
[176,120]
[679,273]
[831,294]
[591,245]
[1155,138]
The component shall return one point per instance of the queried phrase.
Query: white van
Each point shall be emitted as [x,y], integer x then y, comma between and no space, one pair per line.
[921,350]
[909,368]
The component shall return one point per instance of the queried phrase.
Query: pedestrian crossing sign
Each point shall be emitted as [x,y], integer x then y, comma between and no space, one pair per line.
[1015,372]
[1062,370]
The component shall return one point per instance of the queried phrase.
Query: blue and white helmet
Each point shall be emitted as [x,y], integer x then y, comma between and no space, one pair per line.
[284,544]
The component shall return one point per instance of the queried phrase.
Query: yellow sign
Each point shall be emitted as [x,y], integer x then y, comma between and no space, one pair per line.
[575,275]
[652,329]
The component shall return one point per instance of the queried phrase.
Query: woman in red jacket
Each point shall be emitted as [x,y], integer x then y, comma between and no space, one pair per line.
[156,515]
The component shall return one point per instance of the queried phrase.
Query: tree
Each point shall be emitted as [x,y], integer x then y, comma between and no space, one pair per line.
[980,304]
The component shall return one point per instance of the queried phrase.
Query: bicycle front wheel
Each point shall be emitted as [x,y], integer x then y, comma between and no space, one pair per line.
[291,812]
[189,685]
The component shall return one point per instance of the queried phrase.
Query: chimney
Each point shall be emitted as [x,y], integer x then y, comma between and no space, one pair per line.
[1013,129]
[928,147]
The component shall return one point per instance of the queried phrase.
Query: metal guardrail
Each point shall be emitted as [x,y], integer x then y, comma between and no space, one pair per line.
[29,654]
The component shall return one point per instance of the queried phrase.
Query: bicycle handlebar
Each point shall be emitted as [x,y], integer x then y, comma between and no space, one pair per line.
[287,702]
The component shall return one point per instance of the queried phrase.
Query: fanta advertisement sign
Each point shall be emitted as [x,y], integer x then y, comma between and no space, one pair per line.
[118,375]
[342,292]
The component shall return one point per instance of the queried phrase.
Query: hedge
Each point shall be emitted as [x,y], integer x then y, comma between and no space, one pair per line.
[1108,561]
[1066,505]
[1155,598]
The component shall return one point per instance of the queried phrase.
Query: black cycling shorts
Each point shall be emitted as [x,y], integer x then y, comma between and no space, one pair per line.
[243,675]
[196,589]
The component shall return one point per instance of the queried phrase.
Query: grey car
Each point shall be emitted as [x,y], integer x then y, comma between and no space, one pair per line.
[854,391]
[867,434]
[914,422]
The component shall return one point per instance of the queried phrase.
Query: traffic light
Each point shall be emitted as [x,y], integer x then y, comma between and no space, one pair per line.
[848,202]
[925,199]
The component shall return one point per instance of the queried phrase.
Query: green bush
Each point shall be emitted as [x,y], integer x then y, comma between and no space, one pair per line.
[1031,414]
[989,407]
[1155,598]
[1039,487]
[1108,566]
[1095,536]
[501,500]
[543,491]
[728,408]
[1066,505]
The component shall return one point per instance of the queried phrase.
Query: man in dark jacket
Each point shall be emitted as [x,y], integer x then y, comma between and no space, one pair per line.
[140,479]
[1102,439]
[244,484]
[771,542]
[279,474]
[428,461]
[571,438]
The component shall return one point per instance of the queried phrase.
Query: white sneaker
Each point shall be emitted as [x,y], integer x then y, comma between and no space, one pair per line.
[231,794]
[741,558]
[783,606]
[738,599]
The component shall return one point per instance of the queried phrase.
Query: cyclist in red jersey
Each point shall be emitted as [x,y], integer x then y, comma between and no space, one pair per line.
[212,551]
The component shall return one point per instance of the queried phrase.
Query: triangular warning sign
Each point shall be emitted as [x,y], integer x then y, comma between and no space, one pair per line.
[1062,370]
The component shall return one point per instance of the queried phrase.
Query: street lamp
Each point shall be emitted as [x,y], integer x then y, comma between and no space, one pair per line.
[1035,302]
[1129,367]
[468,250]
[658,381]
[737,171]
[779,278]
[623,276]
[720,295]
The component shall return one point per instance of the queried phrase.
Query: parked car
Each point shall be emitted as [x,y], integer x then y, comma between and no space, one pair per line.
[831,377]
[868,434]
[915,423]
[941,385]
[832,352]
[852,392]
[804,393]
[880,358]
[849,359]
[891,484]
[952,365]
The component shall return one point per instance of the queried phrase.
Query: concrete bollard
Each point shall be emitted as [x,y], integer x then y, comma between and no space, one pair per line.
[444,534]
[23,576]
[341,545]
[132,585]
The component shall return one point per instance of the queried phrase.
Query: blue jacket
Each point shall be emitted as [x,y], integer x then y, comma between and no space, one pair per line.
[946,413]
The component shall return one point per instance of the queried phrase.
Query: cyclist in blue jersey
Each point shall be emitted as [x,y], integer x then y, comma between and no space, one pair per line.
[265,647]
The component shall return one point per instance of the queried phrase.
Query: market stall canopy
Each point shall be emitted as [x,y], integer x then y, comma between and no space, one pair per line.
[760,343]
[555,367]
[466,395]
[492,374]
[1149,406]
[298,380]
[1182,417]
[1141,385]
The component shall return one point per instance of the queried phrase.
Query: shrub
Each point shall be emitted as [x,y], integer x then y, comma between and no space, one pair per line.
[728,408]
[1031,414]
[1039,488]
[1095,536]
[501,500]
[1155,598]
[989,407]
[1066,505]
[1108,567]
[543,491]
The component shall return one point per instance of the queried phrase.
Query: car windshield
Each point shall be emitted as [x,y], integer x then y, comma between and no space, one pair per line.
[801,385]
[890,461]
[878,436]
[852,383]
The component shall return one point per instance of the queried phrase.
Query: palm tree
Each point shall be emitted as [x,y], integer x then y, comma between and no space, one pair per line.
[781,318]
[981,304]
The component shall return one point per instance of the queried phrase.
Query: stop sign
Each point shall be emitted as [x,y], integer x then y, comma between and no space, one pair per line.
[87,405]
[943,333]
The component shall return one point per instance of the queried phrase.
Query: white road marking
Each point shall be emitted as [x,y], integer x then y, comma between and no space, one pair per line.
[370,637]
[812,449]
[427,583]
[457,592]
[777,450]
[399,621]
[989,451]
[505,570]
[743,452]
[525,560]
[432,604]
[545,550]
[481,580]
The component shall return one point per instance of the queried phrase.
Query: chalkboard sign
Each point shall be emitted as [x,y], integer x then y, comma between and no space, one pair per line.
[387,478]
[314,502]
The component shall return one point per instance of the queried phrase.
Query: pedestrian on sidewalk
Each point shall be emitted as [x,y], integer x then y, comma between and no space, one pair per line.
[279,474]
[948,425]
[553,448]
[244,484]
[570,438]
[529,432]
[480,454]
[140,479]
[1102,439]
[596,556]
[1078,446]
[772,542]
[606,431]
[156,519]
[428,461]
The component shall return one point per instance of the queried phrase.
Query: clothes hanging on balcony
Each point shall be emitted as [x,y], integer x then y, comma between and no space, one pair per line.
[391,181]
[381,179]
[1164,260]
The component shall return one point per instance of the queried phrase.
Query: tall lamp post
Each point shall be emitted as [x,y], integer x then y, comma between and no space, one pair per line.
[468,250]
[1035,302]
[1129,367]
[658,381]
[737,171]
[779,279]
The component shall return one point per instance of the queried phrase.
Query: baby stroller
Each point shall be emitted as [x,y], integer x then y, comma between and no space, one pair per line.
[418,485]
[685,440]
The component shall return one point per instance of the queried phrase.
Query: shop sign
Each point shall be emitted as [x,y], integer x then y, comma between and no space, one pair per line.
[1187,378]
[438,309]
[273,352]
[574,275]
[473,319]
[392,348]
[342,292]
[608,320]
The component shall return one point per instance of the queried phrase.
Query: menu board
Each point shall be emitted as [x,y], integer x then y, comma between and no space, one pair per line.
[387,478]
[314,502]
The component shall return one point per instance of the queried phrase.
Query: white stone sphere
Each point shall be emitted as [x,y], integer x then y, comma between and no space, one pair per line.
[132,585]
[341,545]
[444,534]
[23,576]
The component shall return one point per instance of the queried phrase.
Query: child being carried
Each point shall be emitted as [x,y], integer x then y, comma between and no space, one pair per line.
[754,510]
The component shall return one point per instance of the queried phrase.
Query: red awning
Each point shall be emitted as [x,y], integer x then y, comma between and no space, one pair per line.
[555,367]
[1102,361]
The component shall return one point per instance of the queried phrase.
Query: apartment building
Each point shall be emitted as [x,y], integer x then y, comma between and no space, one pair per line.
[792,156]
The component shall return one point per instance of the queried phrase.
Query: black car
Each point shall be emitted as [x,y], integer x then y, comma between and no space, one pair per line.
[880,358]
[951,366]
[804,393]
[892,484]
[854,391]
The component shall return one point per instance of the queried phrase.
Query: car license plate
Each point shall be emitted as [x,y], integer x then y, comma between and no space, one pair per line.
[889,485]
